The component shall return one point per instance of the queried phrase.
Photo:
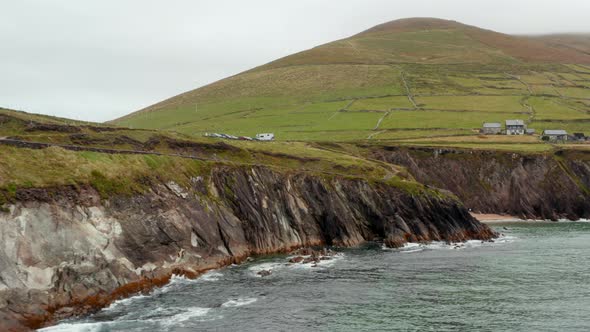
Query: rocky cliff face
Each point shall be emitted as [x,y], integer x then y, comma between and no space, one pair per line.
[66,251]
[535,186]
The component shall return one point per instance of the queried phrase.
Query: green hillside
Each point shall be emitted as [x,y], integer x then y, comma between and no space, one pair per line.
[404,80]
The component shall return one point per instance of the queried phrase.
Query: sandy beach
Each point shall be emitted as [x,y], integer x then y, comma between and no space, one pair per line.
[495,217]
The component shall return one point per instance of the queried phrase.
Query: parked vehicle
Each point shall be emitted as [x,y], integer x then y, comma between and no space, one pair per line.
[265,137]
[259,137]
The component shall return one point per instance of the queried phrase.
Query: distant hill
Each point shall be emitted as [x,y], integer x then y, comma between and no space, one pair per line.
[408,78]
[573,42]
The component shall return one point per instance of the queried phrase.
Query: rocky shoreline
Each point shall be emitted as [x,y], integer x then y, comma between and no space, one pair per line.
[67,252]
[535,186]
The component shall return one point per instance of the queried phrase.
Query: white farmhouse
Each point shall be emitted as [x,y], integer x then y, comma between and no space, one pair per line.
[515,127]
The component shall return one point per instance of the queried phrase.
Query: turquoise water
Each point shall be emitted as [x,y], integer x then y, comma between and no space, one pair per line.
[535,278]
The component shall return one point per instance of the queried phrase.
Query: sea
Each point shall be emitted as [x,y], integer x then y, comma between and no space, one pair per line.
[535,277]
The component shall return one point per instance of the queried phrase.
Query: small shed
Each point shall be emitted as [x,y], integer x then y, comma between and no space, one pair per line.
[531,131]
[515,127]
[491,128]
[554,135]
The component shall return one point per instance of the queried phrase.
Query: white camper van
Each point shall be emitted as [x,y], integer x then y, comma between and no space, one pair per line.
[265,137]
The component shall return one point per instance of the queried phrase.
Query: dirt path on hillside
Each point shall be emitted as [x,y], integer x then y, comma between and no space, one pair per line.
[356,50]
[408,91]
[532,114]
[342,110]
[375,134]
[521,81]
[381,120]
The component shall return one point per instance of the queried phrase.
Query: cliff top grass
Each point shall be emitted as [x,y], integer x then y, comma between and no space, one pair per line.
[125,157]
[418,82]
[55,166]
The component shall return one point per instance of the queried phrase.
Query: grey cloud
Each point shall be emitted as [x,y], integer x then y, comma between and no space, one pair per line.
[103,59]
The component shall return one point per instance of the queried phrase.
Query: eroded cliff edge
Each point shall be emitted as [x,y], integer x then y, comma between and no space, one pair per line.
[552,185]
[66,251]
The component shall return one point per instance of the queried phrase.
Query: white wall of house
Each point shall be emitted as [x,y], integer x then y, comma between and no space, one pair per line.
[515,130]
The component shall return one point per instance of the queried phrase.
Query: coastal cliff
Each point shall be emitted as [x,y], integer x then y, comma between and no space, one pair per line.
[552,185]
[70,250]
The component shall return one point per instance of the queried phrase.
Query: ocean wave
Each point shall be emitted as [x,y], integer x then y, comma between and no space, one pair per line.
[77,327]
[321,264]
[284,265]
[239,302]
[211,276]
[418,247]
[574,221]
[125,302]
[192,314]
[175,282]
[254,270]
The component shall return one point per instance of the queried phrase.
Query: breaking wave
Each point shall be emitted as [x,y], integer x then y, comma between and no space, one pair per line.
[211,276]
[418,247]
[239,302]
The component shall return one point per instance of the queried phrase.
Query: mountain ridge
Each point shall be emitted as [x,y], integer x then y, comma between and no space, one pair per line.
[401,58]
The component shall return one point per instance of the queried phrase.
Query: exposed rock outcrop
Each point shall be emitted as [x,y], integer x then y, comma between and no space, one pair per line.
[65,251]
[534,185]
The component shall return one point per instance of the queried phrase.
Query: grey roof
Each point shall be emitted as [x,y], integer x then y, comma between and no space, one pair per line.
[492,125]
[555,132]
[514,122]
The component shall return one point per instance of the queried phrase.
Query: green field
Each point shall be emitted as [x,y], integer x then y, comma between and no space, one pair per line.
[407,79]
[417,82]
[451,100]
[378,96]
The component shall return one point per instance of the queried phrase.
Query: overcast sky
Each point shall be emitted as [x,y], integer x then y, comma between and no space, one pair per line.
[98,60]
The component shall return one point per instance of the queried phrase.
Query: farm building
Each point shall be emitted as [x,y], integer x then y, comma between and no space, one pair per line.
[515,127]
[554,135]
[491,128]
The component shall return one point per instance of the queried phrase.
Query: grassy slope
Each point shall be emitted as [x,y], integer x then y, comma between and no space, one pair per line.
[128,173]
[112,173]
[578,42]
[406,79]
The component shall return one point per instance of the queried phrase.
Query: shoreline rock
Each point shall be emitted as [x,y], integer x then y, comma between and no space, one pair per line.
[536,186]
[68,252]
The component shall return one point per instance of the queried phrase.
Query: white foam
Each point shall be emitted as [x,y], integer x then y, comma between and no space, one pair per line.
[574,221]
[76,327]
[418,247]
[179,281]
[254,270]
[211,276]
[192,313]
[321,264]
[124,302]
[239,302]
